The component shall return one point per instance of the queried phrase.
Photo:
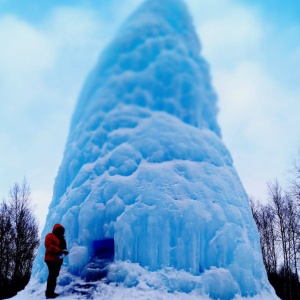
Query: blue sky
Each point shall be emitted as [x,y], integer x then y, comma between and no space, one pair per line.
[49,47]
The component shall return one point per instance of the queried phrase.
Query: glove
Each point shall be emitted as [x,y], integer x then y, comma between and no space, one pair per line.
[65,252]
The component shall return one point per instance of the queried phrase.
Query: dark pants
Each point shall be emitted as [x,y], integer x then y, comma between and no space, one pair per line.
[54,268]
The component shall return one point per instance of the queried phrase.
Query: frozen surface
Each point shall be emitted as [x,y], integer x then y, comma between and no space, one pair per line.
[76,289]
[145,164]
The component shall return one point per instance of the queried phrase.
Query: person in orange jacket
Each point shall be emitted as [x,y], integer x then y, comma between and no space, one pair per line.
[56,250]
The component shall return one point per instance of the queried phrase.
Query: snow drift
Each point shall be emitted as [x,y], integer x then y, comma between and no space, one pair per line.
[145,164]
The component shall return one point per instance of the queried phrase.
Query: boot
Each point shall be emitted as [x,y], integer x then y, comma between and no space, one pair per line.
[51,295]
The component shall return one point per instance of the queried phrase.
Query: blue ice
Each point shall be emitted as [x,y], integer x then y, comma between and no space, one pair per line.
[145,164]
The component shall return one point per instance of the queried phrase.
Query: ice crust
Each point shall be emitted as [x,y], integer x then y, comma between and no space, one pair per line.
[145,164]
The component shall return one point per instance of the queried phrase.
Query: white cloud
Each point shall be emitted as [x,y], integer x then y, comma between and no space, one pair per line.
[23,46]
[255,121]
[231,37]
[24,56]
[40,201]
[34,62]
[253,69]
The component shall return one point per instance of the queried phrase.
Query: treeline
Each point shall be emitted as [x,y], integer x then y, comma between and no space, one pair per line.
[19,239]
[278,223]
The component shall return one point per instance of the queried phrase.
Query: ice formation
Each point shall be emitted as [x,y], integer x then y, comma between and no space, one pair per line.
[145,164]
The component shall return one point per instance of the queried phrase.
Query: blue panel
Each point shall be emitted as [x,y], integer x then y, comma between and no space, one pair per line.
[104,248]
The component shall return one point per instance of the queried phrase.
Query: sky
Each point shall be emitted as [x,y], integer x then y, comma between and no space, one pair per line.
[49,47]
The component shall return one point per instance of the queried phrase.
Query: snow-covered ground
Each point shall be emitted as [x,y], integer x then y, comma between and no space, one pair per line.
[138,283]
[100,290]
[117,292]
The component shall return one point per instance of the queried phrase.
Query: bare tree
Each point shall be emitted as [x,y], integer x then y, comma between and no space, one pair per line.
[264,219]
[5,245]
[19,239]
[277,200]
[286,215]
[278,223]
[295,180]
[293,219]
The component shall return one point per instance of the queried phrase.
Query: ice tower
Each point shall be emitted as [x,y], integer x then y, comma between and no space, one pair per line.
[145,163]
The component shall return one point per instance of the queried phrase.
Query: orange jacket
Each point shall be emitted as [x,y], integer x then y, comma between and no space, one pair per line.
[52,246]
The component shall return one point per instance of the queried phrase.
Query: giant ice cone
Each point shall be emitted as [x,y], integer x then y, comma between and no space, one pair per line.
[145,163]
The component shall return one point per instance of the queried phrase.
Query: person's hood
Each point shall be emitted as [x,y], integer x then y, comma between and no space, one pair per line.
[56,226]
